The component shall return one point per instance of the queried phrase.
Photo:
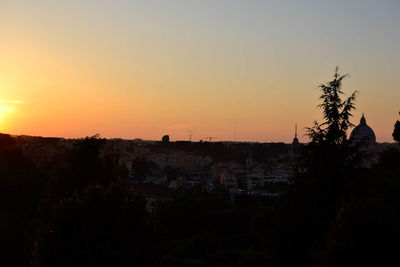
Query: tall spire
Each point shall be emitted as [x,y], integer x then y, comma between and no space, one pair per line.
[363,120]
[295,139]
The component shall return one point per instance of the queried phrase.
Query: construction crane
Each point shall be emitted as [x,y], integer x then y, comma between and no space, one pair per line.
[210,138]
[190,136]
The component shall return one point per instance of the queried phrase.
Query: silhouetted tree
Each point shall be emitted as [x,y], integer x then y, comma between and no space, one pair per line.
[329,158]
[21,187]
[85,167]
[320,182]
[336,112]
[396,132]
[6,142]
[165,139]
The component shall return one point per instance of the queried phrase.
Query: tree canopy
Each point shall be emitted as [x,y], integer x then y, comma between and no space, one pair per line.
[396,132]
[336,112]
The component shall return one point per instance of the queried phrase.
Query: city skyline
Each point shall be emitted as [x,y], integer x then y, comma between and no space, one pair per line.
[226,69]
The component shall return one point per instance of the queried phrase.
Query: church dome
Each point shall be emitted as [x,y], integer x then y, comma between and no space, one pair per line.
[363,132]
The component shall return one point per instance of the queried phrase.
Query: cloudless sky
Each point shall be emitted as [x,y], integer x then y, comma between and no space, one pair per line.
[147,68]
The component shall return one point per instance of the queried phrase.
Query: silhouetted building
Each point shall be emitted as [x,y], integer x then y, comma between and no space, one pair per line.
[295,145]
[295,139]
[363,136]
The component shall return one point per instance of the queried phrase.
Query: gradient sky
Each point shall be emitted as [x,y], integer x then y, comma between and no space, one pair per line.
[142,69]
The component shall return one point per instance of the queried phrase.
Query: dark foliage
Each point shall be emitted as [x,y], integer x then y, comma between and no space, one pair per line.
[20,192]
[165,139]
[85,163]
[86,167]
[336,112]
[99,227]
[396,132]
[365,230]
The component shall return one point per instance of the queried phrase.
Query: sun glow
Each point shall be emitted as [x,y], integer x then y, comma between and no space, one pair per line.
[6,109]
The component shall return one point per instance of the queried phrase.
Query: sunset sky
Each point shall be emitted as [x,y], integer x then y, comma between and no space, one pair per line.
[142,69]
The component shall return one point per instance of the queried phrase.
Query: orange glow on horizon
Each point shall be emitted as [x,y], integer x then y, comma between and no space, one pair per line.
[142,71]
[5,114]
